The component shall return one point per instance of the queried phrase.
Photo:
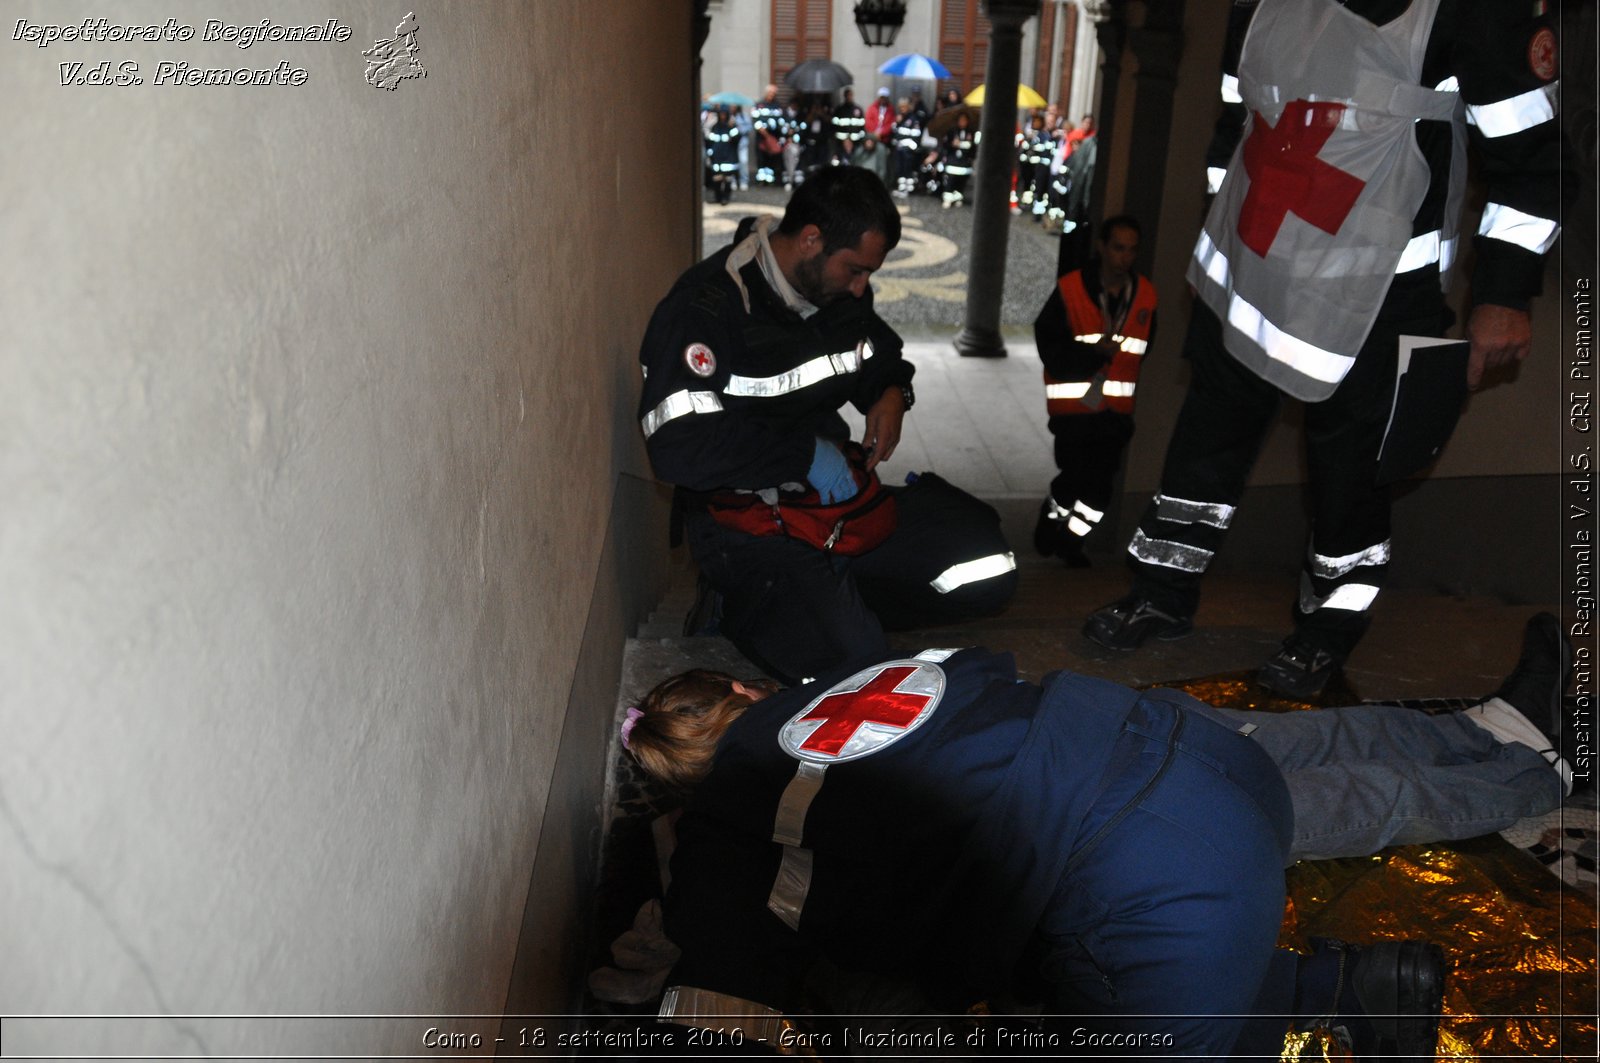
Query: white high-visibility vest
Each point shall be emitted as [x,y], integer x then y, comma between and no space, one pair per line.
[1316,210]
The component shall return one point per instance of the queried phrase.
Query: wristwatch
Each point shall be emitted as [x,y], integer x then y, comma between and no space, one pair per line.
[908,395]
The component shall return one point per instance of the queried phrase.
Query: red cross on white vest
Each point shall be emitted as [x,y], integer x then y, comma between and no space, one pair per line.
[878,702]
[1286,175]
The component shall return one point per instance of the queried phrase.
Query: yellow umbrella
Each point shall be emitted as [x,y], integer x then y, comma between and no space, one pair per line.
[1026,97]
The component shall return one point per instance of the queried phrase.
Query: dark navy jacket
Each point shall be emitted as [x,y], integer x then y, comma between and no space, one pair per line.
[932,859]
[745,411]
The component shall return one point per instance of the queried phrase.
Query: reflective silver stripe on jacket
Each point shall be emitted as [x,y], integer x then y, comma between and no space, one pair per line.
[1184,511]
[685,1005]
[1420,251]
[1168,554]
[678,404]
[1501,222]
[1072,389]
[959,575]
[1351,597]
[1129,344]
[788,896]
[1230,89]
[803,375]
[1505,117]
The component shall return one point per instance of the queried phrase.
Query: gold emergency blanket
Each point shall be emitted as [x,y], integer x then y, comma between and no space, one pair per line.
[1520,941]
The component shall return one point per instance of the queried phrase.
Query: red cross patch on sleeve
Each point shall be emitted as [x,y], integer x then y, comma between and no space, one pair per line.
[1542,54]
[699,359]
[865,713]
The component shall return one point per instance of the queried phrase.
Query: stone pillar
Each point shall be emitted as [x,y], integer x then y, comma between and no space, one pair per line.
[702,30]
[1158,46]
[1110,30]
[991,208]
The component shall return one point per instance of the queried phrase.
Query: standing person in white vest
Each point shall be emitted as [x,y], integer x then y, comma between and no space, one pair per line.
[1333,226]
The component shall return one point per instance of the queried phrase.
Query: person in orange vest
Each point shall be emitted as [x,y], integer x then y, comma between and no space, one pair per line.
[1092,336]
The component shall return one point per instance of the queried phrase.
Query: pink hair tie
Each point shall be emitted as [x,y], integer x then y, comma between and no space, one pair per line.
[633,717]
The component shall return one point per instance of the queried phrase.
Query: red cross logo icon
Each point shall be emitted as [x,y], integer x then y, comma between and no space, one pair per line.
[700,360]
[877,702]
[1286,175]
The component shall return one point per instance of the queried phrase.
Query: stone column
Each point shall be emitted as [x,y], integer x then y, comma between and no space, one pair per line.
[1110,30]
[1158,46]
[991,208]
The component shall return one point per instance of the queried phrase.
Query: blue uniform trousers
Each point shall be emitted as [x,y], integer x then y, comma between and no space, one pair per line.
[1162,928]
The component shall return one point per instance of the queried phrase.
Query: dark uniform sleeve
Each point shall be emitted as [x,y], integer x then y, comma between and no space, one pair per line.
[1229,129]
[693,440]
[701,438]
[716,913]
[1505,62]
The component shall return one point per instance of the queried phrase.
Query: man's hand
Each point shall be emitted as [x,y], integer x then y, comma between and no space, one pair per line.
[882,432]
[1499,336]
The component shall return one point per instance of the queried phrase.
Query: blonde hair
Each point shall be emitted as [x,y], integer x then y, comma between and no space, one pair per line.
[681,722]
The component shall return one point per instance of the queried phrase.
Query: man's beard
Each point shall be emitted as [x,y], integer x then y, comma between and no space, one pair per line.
[808,281]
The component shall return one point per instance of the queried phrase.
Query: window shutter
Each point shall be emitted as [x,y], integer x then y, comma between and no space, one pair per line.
[963,44]
[801,30]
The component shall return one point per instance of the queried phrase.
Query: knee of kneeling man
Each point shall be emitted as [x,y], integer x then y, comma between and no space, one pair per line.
[988,595]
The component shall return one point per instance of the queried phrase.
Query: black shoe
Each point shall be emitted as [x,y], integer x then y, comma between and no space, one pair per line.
[1052,539]
[1127,622]
[1536,687]
[1400,987]
[1299,669]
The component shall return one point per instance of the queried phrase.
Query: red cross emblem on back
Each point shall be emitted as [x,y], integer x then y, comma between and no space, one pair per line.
[1287,177]
[889,702]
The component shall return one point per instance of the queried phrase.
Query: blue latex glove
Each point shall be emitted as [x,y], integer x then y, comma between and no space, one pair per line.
[830,474]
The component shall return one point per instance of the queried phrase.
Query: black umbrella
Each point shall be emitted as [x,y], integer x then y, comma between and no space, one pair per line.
[818,75]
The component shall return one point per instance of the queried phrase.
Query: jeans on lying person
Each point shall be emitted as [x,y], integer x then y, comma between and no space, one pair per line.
[1368,776]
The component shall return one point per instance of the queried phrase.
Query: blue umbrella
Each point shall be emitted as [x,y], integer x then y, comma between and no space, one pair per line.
[732,99]
[914,65]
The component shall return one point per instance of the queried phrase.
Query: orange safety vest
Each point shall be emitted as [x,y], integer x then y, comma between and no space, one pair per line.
[1113,387]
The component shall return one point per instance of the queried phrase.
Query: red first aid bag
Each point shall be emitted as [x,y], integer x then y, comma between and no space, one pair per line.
[851,527]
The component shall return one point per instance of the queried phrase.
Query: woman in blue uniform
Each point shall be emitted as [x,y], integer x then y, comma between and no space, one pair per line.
[938,821]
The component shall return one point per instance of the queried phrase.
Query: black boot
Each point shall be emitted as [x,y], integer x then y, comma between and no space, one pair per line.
[1537,685]
[1052,539]
[1534,688]
[1400,986]
[1386,997]
[1300,669]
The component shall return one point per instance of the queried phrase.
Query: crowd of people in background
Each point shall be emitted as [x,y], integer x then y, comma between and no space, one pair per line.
[914,149]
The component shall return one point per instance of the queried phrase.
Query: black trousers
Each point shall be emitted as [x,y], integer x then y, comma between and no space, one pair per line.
[1219,432]
[797,611]
[1089,449]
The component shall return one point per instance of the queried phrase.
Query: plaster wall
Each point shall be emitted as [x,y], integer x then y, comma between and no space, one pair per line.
[737,53]
[314,402]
